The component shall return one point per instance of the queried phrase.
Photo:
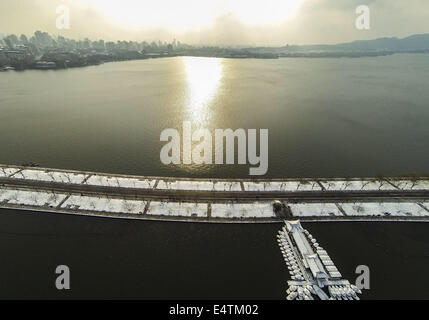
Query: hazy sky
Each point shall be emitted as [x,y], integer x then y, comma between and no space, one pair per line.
[226,22]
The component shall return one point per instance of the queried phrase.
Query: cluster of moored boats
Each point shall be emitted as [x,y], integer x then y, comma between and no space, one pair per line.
[313,274]
[306,292]
[290,257]
[347,292]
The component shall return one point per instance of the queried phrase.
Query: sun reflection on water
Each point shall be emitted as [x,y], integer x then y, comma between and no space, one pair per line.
[204,76]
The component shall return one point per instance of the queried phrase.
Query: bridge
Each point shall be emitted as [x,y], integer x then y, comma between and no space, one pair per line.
[214,200]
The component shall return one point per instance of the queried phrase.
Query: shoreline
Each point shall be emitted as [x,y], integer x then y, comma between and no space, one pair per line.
[292,55]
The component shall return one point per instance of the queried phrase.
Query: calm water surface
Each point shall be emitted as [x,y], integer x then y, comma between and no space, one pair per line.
[326,117]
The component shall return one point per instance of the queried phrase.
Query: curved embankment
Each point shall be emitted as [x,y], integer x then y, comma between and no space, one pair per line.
[213,200]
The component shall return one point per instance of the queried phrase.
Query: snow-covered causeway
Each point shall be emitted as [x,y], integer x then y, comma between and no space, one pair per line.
[19,196]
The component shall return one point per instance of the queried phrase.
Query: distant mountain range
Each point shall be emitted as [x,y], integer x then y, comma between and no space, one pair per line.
[416,42]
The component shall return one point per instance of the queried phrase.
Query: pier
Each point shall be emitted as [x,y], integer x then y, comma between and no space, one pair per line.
[313,273]
[214,200]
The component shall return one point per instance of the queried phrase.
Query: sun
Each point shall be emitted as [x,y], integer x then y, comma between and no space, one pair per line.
[191,15]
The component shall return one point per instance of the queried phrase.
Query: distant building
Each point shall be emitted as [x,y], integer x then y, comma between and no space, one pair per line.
[45,65]
[15,54]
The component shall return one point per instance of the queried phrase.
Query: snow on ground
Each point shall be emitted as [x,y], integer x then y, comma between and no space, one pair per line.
[30,198]
[199,185]
[314,209]
[282,186]
[176,209]
[411,184]
[111,181]
[243,210]
[227,186]
[5,172]
[185,185]
[383,209]
[357,185]
[104,205]
[50,176]
[208,185]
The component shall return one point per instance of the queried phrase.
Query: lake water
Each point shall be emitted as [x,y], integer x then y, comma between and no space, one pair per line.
[326,117]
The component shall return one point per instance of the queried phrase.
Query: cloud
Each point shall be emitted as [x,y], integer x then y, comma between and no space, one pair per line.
[317,21]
